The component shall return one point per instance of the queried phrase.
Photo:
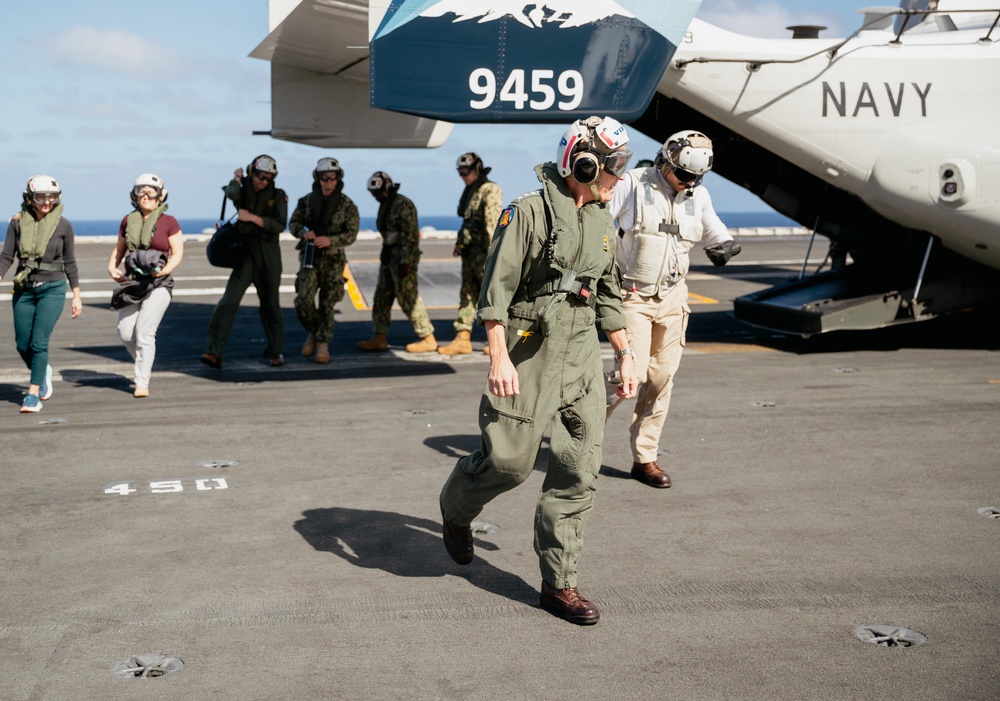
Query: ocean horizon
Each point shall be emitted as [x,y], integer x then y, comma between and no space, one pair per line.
[109,227]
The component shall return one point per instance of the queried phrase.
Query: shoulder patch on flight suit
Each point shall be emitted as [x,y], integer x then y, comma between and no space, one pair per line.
[505,217]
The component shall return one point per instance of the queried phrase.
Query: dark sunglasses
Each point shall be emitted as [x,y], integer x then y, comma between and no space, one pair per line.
[264,177]
[685,176]
[464,171]
[328,179]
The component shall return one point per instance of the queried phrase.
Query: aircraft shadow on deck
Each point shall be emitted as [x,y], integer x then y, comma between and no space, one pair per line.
[405,546]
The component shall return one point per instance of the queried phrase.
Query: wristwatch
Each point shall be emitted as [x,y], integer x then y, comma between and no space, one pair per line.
[623,352]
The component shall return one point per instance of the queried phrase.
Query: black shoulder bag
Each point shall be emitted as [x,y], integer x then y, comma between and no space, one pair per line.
[225,249]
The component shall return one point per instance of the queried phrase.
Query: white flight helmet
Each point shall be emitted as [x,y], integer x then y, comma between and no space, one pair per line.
[42,185]
[688,154]
[328,165]
[590,145]
[148,180]
[264,164]
[379,181]
[470,160]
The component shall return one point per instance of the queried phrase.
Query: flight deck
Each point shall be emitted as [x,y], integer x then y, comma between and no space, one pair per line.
[273,533]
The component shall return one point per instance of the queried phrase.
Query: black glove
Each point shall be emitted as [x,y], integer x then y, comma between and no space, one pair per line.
[383,256]
[720,253]
[404,269]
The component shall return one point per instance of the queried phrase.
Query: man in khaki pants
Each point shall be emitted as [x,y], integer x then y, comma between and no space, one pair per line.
[662,212]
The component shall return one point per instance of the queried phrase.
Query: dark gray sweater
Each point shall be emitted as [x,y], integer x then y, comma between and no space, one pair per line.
[59,251]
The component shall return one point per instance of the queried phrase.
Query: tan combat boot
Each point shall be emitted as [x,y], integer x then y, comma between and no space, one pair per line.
[322,353]
[460,346]
[427,344]
[309,347]
[377,343]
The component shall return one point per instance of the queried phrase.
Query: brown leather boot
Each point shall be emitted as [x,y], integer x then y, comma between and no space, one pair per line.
[322,353]
[651,474]
[569,605]
[427,344]
[460,346]
[309,347]
[377,343]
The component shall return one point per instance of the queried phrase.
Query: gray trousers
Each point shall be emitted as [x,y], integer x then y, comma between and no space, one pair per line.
[137,325]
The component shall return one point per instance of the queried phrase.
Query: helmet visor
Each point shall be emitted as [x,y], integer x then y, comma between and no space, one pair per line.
[685,176]
[617,162]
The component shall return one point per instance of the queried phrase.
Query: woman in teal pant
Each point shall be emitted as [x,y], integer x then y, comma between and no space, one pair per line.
[42,242]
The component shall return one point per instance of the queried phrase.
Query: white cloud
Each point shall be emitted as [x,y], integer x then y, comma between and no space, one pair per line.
[116,51]
[763,19]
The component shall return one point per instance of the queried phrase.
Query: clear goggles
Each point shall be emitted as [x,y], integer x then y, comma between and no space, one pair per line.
[617,162]
[149,191]
[45,197]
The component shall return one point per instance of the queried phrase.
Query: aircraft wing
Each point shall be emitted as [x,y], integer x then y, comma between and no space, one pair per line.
[318,52]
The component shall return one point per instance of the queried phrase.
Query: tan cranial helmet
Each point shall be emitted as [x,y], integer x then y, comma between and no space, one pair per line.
[688,154]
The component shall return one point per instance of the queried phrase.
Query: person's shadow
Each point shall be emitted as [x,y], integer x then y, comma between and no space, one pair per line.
[406,546]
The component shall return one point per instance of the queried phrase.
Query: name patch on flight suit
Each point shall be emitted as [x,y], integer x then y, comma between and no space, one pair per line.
[505,217]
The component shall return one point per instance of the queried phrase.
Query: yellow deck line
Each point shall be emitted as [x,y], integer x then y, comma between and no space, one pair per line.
[358,298]
[353,291]
[700,299]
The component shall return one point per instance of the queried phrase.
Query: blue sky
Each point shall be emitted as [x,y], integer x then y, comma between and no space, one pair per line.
[99,92]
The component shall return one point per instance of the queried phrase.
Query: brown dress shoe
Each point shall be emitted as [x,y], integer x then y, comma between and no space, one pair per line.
[651,474]
[568,605]
[457,541]
[211,360]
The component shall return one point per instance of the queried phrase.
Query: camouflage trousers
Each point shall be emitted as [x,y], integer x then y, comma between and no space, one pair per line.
[326,281]
[473,265]
[393,286]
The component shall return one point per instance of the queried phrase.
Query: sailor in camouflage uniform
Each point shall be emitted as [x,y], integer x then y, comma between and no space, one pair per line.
[479,208]
[325,221]
[551,283]
[397,274]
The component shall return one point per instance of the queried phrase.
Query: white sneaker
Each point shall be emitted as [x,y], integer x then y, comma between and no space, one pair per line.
[46,390]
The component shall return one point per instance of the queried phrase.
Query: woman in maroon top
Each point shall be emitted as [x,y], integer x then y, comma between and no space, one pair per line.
[151,245]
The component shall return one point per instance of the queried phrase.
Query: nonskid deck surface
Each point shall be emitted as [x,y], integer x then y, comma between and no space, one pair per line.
[277,530]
